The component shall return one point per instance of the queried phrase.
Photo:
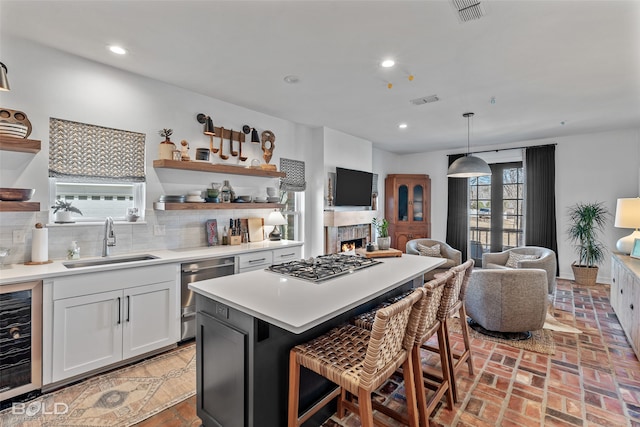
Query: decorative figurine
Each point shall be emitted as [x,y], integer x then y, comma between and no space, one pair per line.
[185,150]
[268,145]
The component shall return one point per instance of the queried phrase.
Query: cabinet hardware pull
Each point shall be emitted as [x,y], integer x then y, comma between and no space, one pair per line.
[631,306]
[284,255]
[257,260]
[197,270]
[128,307]
[621,291]
[119,310]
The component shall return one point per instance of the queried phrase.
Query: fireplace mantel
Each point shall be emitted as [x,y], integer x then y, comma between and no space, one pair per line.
[345,218]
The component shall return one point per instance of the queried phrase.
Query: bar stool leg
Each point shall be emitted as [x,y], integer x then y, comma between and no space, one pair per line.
[465,336]
[294,390]
[366,408]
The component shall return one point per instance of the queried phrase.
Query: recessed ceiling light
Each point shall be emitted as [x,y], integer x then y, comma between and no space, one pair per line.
[402,125]
[117,49]
[387,63]
[291,79]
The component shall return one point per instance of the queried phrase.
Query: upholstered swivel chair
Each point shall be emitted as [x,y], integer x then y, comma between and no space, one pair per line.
[507,300]
[520,258]
[453,256]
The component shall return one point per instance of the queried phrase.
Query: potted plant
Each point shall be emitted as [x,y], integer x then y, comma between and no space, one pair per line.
[382,228]
[62,211]
[166,147]
[587,221]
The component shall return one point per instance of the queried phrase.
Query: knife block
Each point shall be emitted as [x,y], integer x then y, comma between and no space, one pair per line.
[235,240]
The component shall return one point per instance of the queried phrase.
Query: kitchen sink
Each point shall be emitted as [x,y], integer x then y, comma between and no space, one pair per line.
[108,261]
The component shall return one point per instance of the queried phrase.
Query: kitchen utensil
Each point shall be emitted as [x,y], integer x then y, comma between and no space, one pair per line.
[256,233]
[222,155]
[241,157]
[16,194]
[233,152]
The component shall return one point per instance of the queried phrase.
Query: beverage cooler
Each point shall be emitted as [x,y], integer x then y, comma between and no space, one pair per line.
[20,338]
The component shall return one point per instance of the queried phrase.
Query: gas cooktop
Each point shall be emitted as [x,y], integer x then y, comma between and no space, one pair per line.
[323,267]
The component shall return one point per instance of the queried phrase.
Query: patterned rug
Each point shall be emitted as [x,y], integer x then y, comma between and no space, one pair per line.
[120,398]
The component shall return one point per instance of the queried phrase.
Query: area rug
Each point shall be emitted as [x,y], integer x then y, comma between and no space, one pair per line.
[541,341]
[119,398]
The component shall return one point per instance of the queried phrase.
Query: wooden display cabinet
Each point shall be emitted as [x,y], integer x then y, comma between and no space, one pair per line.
[408,208]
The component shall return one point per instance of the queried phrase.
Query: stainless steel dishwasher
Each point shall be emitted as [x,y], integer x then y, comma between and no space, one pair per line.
[196,272]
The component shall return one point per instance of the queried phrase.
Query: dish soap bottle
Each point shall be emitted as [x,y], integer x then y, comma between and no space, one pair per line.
[74,251]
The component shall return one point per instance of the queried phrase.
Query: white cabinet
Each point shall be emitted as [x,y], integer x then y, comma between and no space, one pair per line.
[103,318]
[625,296]
[254,261]
[287,254]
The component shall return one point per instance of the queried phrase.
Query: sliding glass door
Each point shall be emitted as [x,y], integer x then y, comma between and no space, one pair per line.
[496,210]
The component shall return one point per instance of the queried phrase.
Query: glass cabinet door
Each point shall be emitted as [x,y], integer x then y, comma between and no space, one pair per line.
[418,195]
[403,203]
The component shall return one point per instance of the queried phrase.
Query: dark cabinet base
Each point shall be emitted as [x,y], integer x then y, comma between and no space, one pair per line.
[228,340]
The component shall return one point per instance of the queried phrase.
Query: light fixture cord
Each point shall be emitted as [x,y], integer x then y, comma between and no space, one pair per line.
[468,133]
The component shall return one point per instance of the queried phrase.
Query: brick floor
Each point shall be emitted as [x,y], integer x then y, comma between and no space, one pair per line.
[592,380]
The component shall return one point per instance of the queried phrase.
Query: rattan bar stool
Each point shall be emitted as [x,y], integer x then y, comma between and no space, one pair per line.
[430,324]
[359,361]
[452,304]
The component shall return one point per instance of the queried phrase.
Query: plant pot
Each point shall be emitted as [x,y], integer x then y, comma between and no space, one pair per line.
[166,150]
[63,216]
[383,242]
[584,275]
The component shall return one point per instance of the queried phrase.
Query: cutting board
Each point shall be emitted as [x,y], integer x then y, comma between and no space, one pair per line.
[256,232]
[382,253]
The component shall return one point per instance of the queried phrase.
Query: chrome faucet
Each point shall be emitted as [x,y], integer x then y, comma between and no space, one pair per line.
[109,236]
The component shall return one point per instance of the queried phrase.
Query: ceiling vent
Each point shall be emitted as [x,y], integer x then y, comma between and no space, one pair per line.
[425,100]
[468,10]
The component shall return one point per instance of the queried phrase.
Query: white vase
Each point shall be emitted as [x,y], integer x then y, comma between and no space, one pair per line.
[63,216]
[384,242]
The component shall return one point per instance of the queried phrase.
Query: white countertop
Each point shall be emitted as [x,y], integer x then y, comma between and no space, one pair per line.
[14,273]
[298,305]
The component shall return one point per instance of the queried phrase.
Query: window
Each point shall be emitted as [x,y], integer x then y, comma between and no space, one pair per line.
[496,210]
[99,170]
[292,212]
[98,201]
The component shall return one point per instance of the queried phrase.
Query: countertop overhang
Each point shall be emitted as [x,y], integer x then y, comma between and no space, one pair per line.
[298,305]
[14,273]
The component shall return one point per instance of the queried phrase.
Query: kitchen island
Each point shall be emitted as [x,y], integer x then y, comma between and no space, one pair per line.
[247,323]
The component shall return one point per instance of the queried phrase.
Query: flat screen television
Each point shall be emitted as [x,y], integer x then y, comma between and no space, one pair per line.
[353,187]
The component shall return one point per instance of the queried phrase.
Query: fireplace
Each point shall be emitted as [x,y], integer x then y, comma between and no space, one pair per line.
[346,227]
[352,244]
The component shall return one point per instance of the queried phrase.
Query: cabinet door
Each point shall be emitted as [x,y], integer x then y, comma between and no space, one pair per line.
[403,205]
[254,261]
[220,367]
[87,333]
[287,254]
[400,241]
[635,317]
[418,195]
[614,290]
[149,318]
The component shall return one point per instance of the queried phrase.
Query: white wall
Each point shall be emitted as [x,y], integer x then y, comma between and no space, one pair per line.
[594,167]
[48,83]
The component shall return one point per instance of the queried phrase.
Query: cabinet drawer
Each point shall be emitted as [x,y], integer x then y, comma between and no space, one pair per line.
[286,254]
[255,259]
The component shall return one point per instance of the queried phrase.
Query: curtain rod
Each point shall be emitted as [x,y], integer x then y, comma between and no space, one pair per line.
[513,148]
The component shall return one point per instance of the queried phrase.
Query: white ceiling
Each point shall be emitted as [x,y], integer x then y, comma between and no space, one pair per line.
[544,62]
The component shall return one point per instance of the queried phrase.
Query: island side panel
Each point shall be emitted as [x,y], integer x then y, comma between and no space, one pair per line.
[266,360]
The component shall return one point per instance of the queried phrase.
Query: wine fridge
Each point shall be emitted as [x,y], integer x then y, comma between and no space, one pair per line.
[20,338]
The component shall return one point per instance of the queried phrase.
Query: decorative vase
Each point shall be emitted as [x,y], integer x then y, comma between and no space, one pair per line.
[63,216]
[584,275]
[384,242]
[166,149]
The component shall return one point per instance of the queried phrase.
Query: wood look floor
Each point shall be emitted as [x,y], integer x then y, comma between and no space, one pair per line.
[592,380]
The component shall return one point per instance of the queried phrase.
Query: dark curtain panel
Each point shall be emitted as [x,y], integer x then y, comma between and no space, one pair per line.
[540,219]
[457,213]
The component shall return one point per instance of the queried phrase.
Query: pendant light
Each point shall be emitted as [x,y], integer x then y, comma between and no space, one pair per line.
[468,166]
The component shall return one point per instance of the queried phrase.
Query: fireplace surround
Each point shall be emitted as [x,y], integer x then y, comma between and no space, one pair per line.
[346,226]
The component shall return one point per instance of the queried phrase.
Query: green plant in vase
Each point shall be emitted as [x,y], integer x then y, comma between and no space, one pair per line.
[382,229]
[62,211]
[587,220]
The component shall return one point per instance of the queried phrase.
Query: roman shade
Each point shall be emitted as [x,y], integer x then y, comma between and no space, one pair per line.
[80,152]
[295,178]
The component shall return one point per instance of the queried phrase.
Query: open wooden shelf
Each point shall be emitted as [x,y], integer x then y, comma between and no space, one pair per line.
[19,206]
[160,206]
[9,143]
[216,168]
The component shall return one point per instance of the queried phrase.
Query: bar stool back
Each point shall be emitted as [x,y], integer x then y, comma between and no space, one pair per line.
[359,361]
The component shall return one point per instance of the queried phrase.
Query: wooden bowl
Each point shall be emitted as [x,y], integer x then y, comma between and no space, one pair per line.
[16,194]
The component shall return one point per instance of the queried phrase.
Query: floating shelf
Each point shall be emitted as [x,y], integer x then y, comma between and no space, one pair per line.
[216,168]
[8,143]
[160,206]
[19,206]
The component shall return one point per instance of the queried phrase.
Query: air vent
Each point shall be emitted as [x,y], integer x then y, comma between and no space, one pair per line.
[468,10]
[425,100]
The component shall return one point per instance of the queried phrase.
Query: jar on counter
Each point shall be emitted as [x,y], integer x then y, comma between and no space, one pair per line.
[74,251]
[225,192]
